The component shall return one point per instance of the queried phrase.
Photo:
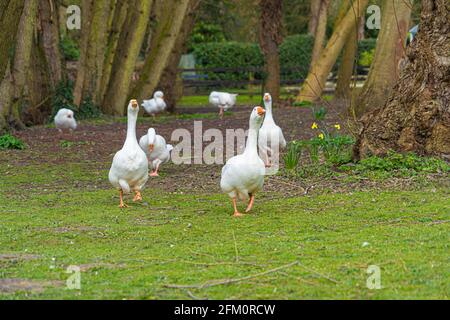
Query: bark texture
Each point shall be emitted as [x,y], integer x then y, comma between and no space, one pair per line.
[10,13]
[270,38]
[416,116]
[390,49]
[13,88]
[128,47]
[171,83]
[162,44]
[321,28]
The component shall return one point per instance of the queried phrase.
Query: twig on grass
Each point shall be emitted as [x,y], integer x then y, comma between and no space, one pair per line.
[318,274]
[194,297]
[235,248]
[212,283]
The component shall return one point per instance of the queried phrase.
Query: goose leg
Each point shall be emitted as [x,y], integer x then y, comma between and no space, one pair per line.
[236,212]
[221,113]
[155,172]
[137,197]
[250,203]
[122,205]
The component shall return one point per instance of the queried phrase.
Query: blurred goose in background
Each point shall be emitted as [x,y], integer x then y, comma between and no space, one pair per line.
[65,119]
[271,137]
[243,175]
[129,169]
[155,105]
[222,100]
[157,150]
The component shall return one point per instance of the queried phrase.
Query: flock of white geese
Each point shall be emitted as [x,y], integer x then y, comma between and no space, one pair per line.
[242,175]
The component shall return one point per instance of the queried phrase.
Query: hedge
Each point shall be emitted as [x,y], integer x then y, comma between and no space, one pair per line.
[295,56]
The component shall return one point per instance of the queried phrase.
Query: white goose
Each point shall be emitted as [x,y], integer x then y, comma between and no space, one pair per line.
[155,105]
[222,100]
[129,169]
[65,119]
[157,150]
[243,175]
[271,137]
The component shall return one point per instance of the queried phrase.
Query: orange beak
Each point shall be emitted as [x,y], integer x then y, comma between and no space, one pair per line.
[134,103]
[266,98]
[151,147]
[260,111]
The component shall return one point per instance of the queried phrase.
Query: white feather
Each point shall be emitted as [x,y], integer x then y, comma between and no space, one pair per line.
[129,169]
[65,119]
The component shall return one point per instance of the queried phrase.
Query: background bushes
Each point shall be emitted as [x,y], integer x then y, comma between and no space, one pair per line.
[295,55]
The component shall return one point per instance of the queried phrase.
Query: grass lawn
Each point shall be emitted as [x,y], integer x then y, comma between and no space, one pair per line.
[64,217]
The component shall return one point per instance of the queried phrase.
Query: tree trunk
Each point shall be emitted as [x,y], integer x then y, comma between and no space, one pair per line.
[94,45]
[171,83]
[128,47]
[17,80]
[345,72]
[117,22]
[390,49]
[163,42]
[314,16]
[10,13]
[48,14]
[416,116]
[86,13]
[269,40]
[319,36]
[315,81]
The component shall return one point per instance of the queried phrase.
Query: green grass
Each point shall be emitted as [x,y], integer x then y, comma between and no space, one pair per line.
[176,238]
[202,100]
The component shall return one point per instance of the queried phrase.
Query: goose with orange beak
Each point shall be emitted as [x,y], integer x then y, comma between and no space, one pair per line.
[270,138]
[129,169]
[158,152]
[243,175]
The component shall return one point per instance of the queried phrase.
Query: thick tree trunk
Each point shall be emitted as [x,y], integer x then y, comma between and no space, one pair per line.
[319,36]
[315,81]
[116,24]
[15,89]
[269,40]
[94,45]
[48,14]
[86,13]
[171,83]
[10,13]
[345,71]
[390,49]
[128,47]
[416,116]
[163,42]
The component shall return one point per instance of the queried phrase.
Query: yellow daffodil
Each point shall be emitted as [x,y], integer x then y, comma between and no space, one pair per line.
[314,126]
[337,126]
[321,136]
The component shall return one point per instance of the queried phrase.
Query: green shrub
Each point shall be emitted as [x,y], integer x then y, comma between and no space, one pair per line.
[205,33]
[69,48]
[8,141]
[295,52]
[295,56]
[402,162]
[226,55]
[63,98]
[293,154]
[366,58]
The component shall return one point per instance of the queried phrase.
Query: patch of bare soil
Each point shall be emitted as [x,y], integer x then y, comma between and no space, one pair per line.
[94,145]
[14,285]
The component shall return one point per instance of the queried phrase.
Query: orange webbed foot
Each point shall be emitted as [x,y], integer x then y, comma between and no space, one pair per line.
[137,197]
